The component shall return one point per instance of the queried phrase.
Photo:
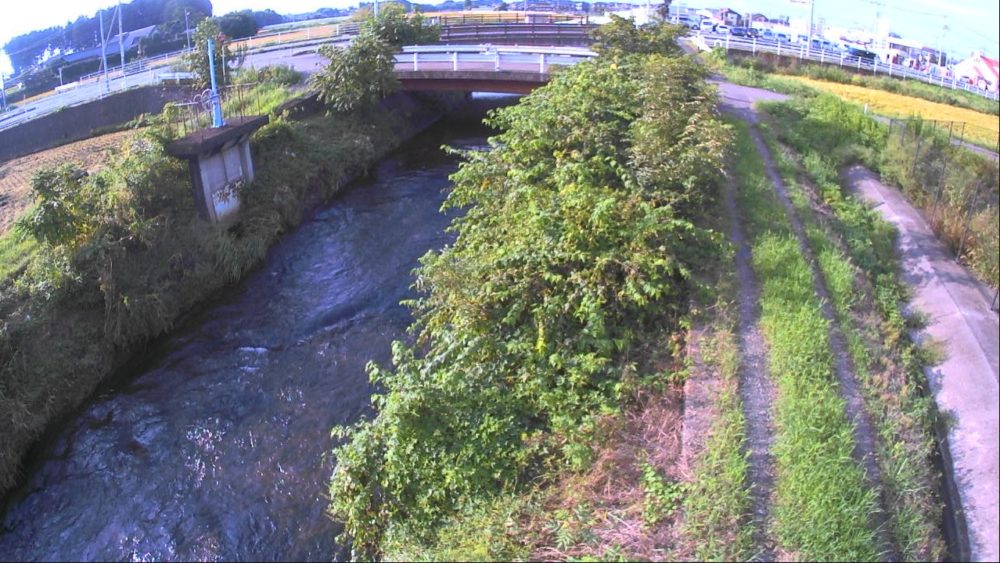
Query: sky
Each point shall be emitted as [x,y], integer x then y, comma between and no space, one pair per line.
[972,24]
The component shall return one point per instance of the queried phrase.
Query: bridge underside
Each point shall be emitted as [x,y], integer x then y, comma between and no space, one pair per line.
[471,81]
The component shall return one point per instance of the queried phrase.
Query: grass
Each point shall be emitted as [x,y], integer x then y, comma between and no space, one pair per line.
[822,507]
[770,63]
[716,524]
[982,129]
[15,254]
[894,388]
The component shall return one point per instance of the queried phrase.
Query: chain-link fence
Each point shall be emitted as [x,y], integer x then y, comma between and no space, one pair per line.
[955,185]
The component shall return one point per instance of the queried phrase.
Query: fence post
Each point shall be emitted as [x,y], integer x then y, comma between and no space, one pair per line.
[727,41]
[779,51]
[541,63]
[496,60]
[454,61]
[842,54]
[415,66]
[821,52]
[753,48]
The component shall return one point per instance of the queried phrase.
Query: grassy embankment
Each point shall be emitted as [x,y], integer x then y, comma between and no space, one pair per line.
[982,124]
[822,508]
[121,254]
[855,251]
[768,64]
[538,413]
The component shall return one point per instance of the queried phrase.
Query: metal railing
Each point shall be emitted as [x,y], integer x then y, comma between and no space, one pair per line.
[238,100]
[489,57]
[825,56]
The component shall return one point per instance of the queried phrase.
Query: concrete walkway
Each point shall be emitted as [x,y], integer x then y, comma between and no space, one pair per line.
[965,385]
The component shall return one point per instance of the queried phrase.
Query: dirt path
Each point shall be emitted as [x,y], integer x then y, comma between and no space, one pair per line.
[965,385]
[864,434]
[739,100]
[756,389]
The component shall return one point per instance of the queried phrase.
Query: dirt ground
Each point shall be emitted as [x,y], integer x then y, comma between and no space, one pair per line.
[15,175]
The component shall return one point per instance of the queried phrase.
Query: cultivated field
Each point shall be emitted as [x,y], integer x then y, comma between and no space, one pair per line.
[15,175]
[983,129]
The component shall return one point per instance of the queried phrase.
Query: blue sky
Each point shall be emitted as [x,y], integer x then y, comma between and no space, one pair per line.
[973,25]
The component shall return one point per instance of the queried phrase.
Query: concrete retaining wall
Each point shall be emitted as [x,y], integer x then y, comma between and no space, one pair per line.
[79,122]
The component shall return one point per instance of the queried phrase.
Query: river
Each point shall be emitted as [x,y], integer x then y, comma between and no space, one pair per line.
[216,446]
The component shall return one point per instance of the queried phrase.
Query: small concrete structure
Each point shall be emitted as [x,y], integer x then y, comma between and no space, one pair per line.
[220,161]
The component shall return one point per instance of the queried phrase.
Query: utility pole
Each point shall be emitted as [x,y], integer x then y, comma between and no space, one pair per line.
[187,29]
[812,13]
[121,44]
[104,54]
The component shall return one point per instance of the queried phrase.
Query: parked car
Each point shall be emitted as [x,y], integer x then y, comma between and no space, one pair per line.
[753,32]
[722,29]
[738,31]
[782,38]
[767,34]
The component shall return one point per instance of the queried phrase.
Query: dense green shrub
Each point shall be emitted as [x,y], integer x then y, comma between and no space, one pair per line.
[576,243]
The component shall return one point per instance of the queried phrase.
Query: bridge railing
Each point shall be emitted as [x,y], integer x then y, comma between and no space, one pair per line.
[489,57]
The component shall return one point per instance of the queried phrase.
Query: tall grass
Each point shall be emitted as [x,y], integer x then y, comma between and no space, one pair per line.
[770,64]
[823,507]
[894,387]
[16,252]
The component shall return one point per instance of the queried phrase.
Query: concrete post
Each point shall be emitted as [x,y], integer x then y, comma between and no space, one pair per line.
[415,65]
[496,61]
[454,61]
[541,63]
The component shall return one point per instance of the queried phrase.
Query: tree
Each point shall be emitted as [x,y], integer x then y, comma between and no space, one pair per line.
[393,26]
[238,25]
[358,76]
[621,36]
[663,10]
[197,60]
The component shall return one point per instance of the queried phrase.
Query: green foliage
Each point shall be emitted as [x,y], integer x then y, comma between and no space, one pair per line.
[768,64]
[887,363]
[938,177]
[121,254]
[225,59]
[571,250]
[394,27]
[823,506]
[660,497]
[621,36]
[361,74]
[357,76]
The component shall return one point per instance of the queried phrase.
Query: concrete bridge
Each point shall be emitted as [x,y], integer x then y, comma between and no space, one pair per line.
[482,68]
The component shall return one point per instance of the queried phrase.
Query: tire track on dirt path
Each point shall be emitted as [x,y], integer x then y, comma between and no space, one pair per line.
[864,434]
[756,389]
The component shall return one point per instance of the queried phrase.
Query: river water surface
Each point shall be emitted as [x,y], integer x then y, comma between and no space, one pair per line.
[216,447]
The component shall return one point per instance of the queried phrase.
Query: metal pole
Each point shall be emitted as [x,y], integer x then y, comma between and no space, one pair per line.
[121,44]
[3,94]
[187,29]
[104,58]
[216,106]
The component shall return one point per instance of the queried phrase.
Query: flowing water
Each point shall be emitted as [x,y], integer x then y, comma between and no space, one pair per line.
[216,447]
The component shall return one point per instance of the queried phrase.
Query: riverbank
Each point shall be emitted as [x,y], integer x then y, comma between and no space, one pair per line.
[75,317]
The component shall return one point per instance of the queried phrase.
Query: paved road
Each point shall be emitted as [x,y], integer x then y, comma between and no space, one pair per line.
[965,385]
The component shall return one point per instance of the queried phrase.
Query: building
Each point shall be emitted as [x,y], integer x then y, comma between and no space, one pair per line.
[980,71]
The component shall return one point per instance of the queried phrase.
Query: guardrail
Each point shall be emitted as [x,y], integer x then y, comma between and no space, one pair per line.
[824,56]
[495,57]
[508,31]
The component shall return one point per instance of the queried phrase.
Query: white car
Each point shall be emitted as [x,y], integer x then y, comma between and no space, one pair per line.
[722,29]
